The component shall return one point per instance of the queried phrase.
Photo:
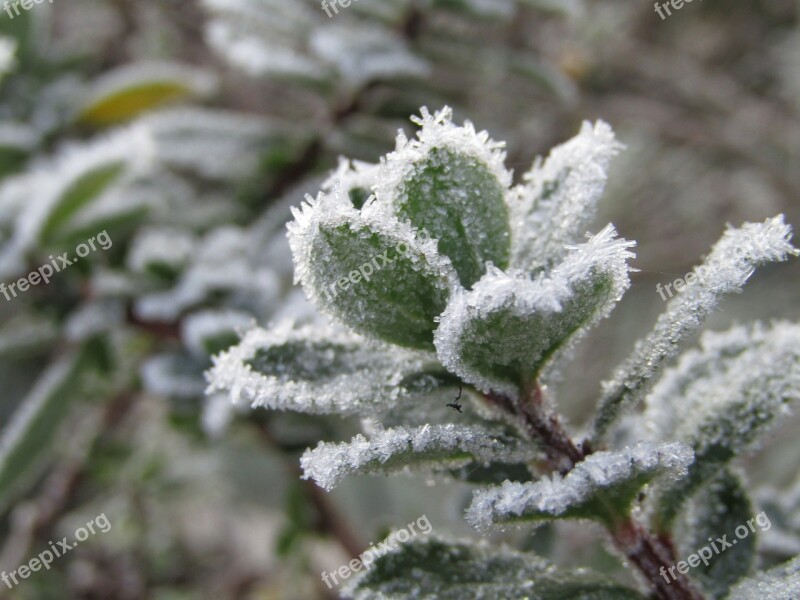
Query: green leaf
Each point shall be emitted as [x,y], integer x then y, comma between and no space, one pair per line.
[435,569]
[501,334]
[28,438]
[128,91]
[716,511]
[369,271]
[602,487]
[429,446]
[80,192]
[779,583]
[739,400]
[323,370]
[452,183]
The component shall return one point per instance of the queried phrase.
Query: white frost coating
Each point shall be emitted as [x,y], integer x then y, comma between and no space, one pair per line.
[157,246]
[197,82]
[388,450]
[553,496]
[218,413]
[255,57]
[684,389]
[197,327]
[133,146]
[361,53]
[350,175]
[366,377]
[732,260]
[779,583]
[759,385]
[437,131]
[559,196]
[8,51]
[604,254]
[94,317]
[172,375]
[227,259]
[334,210]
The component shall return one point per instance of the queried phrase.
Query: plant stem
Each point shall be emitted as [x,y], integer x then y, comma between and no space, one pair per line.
[651,555]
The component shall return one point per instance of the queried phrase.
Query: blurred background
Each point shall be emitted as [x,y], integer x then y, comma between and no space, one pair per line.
[186,130]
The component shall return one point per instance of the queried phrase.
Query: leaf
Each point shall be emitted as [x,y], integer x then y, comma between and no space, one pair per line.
[559,197]
[452,182]
[499,335]
[605,484]
[429,446]
[737,402]
[779,583]
[130,90]
[716,511]
[210,332]
[318,369]
[29,436]
[435,569]
[368,270]
[732,261]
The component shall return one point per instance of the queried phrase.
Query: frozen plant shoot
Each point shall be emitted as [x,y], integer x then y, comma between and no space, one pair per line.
[490,300]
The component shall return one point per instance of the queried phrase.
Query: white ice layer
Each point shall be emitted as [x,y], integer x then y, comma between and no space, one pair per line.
[367,380]
[437,131]
[732,261]
[392,450]
[779,583]
[553,496]
[559,197]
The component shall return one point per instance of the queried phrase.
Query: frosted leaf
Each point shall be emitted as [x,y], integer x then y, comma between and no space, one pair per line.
[8,60]
[717,510]
[375,274]
[740,399]
[559,197]
[161,251]
[452,182]
[614,477]
[429,446]
[28,333]
[226,260]
[124,92]
[93,318]
[354,178]
[257,57]
[780,583]
[173,376]
[215,144]
[210,331]
[314,369]
[361,53]
[432,567]
[79,174]
[499,335]
[28,436]
[732,261]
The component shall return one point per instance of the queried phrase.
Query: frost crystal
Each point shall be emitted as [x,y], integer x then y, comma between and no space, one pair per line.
[732,261]
[313,369]
[779,583]
[559,197]
[619,473]
[390,450]
[485,334]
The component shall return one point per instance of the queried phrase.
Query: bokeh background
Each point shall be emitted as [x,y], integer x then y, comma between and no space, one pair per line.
[187,129]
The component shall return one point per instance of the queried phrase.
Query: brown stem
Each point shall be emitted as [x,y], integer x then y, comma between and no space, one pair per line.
[653,556]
